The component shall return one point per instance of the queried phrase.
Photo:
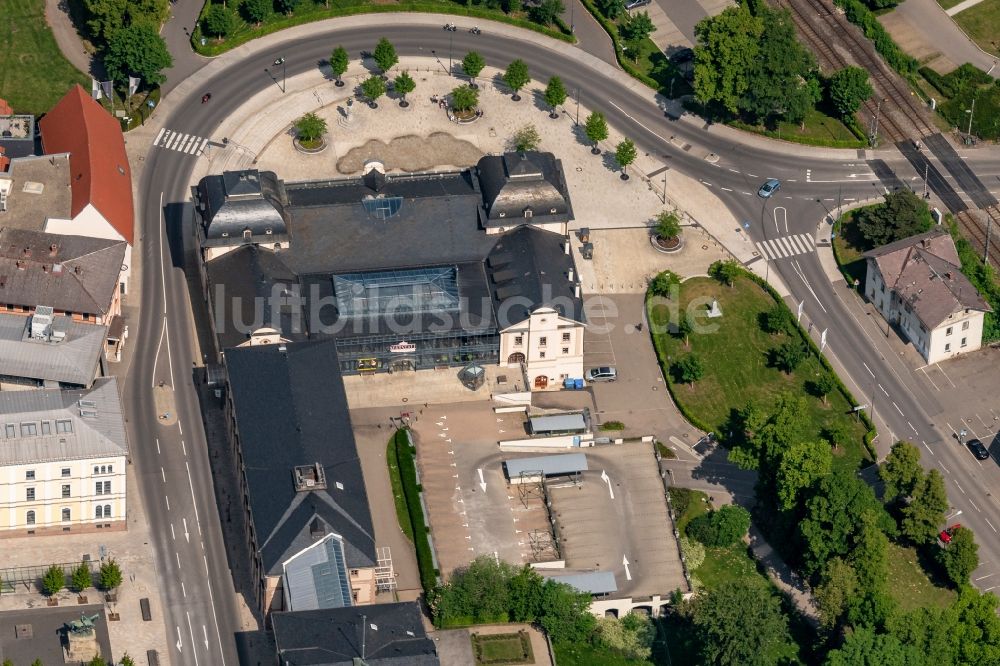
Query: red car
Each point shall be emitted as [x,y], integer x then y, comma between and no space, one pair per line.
[946,535]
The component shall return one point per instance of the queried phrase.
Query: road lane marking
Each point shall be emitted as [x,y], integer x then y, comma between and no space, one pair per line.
[802,276]
[883,390]
[194,502]
[183,590]
[911,427]
[157,446]
[975,507]
[897,408]
[946,470]
[179,428]
[167,498]
[172,535]
[929,449]
[178,556]
[726,189]
[959,485]
[179,643]
[159,249]
[868,369]
[986,576]
[163,474]
[990,524]
[184,448]
[622,111]
[191,631]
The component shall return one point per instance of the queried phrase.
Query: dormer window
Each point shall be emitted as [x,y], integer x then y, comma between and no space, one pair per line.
[247,234]
[225,234]
[528,212]
[552,211]
[503,214]
[268,231]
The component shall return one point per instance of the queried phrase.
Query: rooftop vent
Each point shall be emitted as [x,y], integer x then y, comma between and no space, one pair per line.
[33,187]
[309,477]
[316,528]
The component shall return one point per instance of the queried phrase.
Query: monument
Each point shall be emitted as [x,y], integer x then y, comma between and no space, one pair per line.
[714,312]
[81,639]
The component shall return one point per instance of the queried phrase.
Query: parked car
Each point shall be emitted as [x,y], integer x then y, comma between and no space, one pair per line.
[682,56]
[635,4]
[947,534]
[978,449]
[602,374]
[770,186]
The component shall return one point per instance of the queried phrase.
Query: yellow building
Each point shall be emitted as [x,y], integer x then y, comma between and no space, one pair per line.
[62,463]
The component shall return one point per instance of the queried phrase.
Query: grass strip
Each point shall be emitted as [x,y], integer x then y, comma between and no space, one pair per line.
[398,496]
[411,492]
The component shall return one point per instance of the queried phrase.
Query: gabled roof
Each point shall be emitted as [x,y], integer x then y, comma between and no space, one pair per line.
[101,176]
[291,411]
[925,272]
[70,358]
[514,183]
[68,273]
[96,427]
[393,635]
[5,108]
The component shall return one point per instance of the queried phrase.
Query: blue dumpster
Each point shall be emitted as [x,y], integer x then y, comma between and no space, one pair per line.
[569,383]
[578,383]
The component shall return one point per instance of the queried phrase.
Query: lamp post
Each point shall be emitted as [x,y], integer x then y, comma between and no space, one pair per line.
[971,113]
[451,40]
[878,112]
[281,61]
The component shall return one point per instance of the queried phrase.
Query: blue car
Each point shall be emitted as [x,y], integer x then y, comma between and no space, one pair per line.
[770,186]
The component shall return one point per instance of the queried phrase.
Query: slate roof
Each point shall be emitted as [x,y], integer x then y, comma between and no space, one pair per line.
[248,277]
[73,360]
[515,182]
[239,200]
[80,275]
[291,410]
[101,176]
[98,429]
[333,637]
[925,271]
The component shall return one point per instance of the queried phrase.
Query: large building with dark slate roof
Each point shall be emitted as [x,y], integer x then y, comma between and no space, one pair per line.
[403,272]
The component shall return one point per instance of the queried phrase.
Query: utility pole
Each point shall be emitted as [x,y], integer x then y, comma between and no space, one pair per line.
[451,41]
[878,112]
[989,229]
[578,107]
[972,112]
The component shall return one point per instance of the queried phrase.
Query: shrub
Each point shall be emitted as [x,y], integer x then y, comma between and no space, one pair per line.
[693,552]
[110,575]
[786,357]
[720,528]
[612,425]
[219,20]
[777,320]
[310,128]
[408,477]
[526,138]
[81,578]
[53,580]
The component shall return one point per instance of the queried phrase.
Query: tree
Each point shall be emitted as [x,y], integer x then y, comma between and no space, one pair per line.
[373,88]
[110,575]
[472,65]
[105,17]
[566,612]
[823,385]
[137,50]
[219,20]
[767,435]
[688,369]
[516,77]
[610,9]
[596,129]
[526,138]
[960,557]
[848,89]
[310,128]
[287,6]
[525,595]
[668,224]
[464,98]
[722,527]
[546,11]
[802,465]
[863,646]
[725,271]
[257,11]
[81,579]
[404,85]
[663,284]
[901,472]
[926,511]
[479,592]
[625,154]
[53,580]
[787,356]
[385,55]
[637,28]
[870,559]
[683,329]
[838,587]
[631,636]
[902,215]
[555,94]
[126,660]
[339,61]
[778,320]
[728,46]
[98,660]
[739,623]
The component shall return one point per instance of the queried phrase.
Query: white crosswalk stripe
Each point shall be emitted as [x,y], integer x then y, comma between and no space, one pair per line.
[190,144]
[786,246]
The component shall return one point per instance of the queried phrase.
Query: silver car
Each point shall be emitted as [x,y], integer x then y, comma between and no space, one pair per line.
[770,186]
[602,374]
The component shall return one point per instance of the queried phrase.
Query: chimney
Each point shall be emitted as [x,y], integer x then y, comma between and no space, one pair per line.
[947,275]
[78,270]
[20,265]
[26,252]
[52,249]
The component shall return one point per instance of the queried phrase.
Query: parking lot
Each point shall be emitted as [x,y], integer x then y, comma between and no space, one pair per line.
[604,523]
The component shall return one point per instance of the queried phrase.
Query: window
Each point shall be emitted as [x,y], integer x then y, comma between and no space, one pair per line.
[104,469]
[30,518]
[565,350]
[29,494]
[109,469]
[882,288]
[965,325]
[947,347]
[29,475]
[565,337]
[247,234]
[86,316]
[65,490]
[46,427]
[542,341]
[541,354]
[10,431]
[29,429]
[98,488]
[518,340]
[107,510]
[64,426]
[65,471]
[98,511]
[947,331]
[97,470]
[355,572]
[107,487]
[965,342]
[66,515]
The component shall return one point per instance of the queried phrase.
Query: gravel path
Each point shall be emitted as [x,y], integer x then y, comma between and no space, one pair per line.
[412,153]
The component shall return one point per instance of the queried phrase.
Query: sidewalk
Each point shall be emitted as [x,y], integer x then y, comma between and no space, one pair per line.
[924,21]
[68,39]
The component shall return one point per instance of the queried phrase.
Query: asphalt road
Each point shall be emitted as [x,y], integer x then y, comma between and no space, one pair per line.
[171,459]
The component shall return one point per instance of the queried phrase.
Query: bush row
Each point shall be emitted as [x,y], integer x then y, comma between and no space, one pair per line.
[859,14]
[411,490]
[623,62]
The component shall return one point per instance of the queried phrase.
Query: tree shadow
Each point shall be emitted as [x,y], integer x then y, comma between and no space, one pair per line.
[610,161]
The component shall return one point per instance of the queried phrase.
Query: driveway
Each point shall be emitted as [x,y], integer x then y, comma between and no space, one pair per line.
[922,27]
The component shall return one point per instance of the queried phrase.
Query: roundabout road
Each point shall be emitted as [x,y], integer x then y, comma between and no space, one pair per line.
[172,461]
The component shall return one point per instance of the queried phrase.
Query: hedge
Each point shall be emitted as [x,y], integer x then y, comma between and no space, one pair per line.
[859,14]
[983,277]
[612,30]
[280,22]
[411,490]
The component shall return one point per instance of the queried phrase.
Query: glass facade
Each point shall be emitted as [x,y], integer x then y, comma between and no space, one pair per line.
[420,351]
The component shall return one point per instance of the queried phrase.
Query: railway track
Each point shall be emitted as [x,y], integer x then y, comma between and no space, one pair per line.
[901,114]
[975,229]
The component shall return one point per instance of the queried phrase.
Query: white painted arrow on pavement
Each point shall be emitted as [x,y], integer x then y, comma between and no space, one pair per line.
[628,574]
[607,479]
[179,642]
[187,535]
[482,482]
[204,632]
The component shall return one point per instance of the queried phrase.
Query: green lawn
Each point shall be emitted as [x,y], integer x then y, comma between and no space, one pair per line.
[33,72]
[399,498]
[849,245]
[736,364]
[982,23]
[818,129]
[512,648]
[586,654]
[910,586]
[948,4]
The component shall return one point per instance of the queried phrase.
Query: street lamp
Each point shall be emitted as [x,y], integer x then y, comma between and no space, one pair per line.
[961,436]
[971,113]
[878,111]
[451,40]
[280,61]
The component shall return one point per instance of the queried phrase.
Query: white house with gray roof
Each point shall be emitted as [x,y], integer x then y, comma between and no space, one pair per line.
[917,285]
[62,460]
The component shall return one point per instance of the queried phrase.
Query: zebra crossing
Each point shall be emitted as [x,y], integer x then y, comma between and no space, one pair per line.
[182,143]
[786,246]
